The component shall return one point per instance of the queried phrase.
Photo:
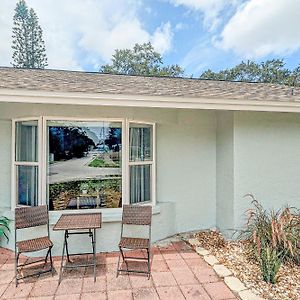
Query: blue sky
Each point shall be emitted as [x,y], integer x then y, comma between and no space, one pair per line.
[196,34]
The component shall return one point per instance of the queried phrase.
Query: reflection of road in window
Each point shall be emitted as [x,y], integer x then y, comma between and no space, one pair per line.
[85,161]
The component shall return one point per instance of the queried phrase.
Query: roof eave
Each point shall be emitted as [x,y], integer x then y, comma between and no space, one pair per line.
[78,98]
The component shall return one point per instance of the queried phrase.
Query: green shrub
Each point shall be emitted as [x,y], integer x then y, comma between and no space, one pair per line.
[4,227]
[274,237]
[84,186]
[279,229]
[269,261]
[61,193]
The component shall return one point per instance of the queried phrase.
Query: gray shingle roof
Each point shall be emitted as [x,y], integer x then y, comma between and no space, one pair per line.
[70,81]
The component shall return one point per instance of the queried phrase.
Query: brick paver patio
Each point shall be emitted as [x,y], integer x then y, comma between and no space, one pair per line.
[177,273]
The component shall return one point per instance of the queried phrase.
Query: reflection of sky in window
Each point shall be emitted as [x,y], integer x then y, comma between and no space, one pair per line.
[97,134]
[96,131]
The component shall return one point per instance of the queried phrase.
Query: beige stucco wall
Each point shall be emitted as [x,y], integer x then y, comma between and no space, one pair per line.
[186,166]
[225,171]
[5,152]
[267,160]
[257,153]
[206,162]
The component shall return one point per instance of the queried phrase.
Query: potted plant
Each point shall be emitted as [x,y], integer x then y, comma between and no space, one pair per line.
[4,227]
[84,188]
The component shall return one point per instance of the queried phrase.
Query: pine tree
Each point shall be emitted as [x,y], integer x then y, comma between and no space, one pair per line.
[28,44]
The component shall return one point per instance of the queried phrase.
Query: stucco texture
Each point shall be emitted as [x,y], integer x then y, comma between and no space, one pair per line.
[206,162]
[258,153]
[266,160]
[186,166]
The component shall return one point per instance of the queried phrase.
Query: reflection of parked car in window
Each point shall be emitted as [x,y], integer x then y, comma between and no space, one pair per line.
[102,148]
[116,147]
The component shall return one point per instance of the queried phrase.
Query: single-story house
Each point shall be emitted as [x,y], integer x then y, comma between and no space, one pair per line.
[191,148]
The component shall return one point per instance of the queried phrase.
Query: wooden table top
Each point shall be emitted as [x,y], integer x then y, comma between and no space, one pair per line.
[79,221]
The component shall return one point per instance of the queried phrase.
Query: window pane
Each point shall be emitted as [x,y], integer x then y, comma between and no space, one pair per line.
[27,141]
[140,139]
[140,187]
[27,185]
[85,165]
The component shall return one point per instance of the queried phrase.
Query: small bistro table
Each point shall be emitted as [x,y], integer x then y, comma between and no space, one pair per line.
[85,223]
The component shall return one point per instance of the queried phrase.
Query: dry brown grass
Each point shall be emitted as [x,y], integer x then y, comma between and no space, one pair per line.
[241,261]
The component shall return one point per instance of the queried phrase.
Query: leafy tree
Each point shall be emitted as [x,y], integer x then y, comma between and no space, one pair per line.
[294,78]
[270,71]
[28,44]
[141,60]
[69,142]
[273,71]
[114,138]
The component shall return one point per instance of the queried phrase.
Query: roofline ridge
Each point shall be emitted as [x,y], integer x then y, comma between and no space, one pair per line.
[151,76]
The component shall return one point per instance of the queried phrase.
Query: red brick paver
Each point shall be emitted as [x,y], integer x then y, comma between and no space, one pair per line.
[145,294]
[13,292]
[93,296]
[163,279]
[177,273]
[194,292]
[219,291]
[120,294]
[167,293]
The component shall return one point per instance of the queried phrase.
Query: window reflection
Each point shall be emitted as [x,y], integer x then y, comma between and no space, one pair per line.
[84,166]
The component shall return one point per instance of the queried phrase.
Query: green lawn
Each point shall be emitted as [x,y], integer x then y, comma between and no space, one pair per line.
[100,163]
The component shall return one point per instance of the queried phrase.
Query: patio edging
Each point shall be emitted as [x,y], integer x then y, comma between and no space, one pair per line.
[233,283]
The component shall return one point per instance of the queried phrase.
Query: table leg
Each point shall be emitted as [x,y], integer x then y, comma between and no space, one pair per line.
[62,260]
[94,254]
[67,248]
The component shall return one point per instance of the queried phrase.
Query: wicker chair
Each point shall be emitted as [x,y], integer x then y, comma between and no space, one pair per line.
[28,217]
[139,216]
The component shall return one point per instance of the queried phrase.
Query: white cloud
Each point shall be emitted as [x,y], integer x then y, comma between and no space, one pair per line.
[204,56]
[179,26]
[79,32]
[6,23]
[162,38]
[211,9]
[263,27]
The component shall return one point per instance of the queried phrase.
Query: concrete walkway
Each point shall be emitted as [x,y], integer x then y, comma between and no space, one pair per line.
[177,273]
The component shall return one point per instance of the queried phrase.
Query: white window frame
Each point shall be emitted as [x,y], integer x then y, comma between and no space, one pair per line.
[43,156]
[74,119]
[15,163]
[152,163]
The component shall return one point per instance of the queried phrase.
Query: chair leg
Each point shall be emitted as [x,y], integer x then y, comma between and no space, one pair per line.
[16,267]
[118,265]
[51,261]
[149,256]
[123,260]
[46,258]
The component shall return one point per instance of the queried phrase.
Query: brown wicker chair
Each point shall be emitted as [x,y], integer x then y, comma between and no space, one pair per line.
[139,216]
[27,217]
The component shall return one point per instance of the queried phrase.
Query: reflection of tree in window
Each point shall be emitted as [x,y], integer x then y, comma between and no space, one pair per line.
[113,139]
[69,142]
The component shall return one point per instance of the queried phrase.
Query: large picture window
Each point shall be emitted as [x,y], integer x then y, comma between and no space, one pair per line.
[83,164]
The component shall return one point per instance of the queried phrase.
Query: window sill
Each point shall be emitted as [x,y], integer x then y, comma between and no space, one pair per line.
[109,215]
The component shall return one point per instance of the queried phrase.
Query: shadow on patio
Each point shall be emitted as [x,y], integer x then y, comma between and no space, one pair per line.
[177,273]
